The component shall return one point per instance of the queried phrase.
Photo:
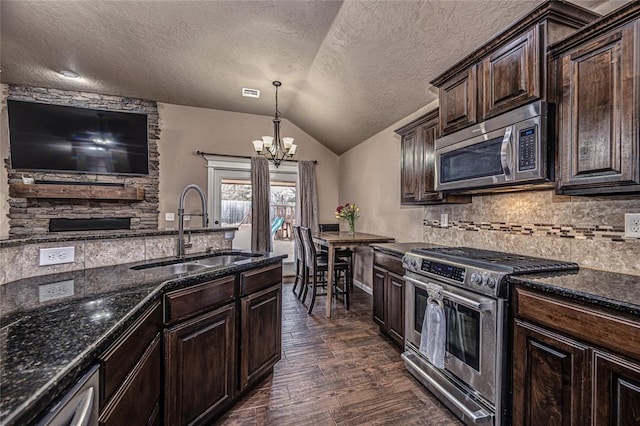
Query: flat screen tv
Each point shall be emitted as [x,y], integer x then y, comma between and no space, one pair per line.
[56,138]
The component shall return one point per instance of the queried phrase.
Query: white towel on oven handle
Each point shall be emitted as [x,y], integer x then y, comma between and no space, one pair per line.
[434,327]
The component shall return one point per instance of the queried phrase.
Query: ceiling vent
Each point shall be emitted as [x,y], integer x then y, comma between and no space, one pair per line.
[250,93]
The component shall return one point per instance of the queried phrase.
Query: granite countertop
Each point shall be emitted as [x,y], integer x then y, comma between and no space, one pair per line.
[104,235]
[43,351]
[399,249]
[607,289]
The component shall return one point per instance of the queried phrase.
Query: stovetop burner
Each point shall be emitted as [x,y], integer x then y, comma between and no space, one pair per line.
[513,263]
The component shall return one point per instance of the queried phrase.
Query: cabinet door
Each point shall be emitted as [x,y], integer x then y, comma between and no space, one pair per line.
[409,168]
[511,75]
[395,307]
[428,136]
[138,399]
[379,305]
[261,339]
[616,391]
[200,366]
[550,378]
[458,99]
[599,130]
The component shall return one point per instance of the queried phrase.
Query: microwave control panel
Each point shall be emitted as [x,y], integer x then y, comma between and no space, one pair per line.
[527,149]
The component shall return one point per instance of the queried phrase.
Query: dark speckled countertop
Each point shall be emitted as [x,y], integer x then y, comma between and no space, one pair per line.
[607,289]
[399,249]
[45,350]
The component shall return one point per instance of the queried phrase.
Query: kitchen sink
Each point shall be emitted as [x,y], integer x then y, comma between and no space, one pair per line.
[222,260]
[175,268]
[181,266]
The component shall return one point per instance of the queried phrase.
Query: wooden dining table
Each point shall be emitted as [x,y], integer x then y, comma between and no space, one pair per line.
[333,240]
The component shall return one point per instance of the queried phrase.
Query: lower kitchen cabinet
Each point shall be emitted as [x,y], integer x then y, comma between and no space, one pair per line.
[131,374]
[388,296]
[200,366]
[261,344]
[222,337]
[573,364]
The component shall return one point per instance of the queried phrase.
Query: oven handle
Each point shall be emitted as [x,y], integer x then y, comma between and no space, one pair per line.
[504,152]
[481,305]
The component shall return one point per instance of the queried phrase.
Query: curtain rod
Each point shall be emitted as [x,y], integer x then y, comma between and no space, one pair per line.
[202,153]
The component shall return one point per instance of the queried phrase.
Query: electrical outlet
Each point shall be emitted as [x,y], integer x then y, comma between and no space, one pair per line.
[169,217]
[444,220]
[186,217]
[55,290]
[632,225]
[57,255]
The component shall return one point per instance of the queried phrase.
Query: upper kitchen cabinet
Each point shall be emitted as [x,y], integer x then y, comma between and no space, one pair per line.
[597,77]
[509,70]
[417,167]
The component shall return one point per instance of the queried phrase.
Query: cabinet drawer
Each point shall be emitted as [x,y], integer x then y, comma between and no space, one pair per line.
[137,399]
[258,279]
[182,304]
[122,357]
[584,323]
[388,262]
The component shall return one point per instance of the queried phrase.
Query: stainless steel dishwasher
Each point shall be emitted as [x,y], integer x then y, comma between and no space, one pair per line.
[79,407]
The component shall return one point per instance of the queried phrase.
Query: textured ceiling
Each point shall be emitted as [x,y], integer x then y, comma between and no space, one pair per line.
[349,69]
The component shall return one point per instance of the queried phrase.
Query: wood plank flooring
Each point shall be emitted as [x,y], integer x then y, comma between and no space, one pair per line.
[337,371]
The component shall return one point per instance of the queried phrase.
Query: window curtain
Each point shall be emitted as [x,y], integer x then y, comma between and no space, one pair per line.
[307,202]
[260,200]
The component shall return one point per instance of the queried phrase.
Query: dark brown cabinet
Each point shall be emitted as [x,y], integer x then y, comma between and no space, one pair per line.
[511,75]
[388,296]
[200,367]
[569,365]
[507,71]
[131,373]
[222,336]
[417,167]
[261,329]
[598,78]
[548,368]
[458,101]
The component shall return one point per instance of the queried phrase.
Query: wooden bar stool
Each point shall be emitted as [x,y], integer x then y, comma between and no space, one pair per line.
[317,268]
[345,254]
[301,263]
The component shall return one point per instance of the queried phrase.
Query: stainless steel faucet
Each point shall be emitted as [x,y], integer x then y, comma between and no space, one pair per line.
[181,245]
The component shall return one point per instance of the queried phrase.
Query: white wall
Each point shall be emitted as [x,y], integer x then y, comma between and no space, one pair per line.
[186,130]
[370,177]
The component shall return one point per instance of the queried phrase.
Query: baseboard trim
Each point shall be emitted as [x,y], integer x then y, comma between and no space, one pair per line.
[363,287]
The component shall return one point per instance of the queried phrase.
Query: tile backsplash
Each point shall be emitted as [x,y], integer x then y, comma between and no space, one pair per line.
[589,231]
[22,261]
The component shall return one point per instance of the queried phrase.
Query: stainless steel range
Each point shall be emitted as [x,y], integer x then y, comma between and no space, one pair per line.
[468,286]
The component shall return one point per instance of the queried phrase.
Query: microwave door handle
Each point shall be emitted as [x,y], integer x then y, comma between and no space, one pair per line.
[505,152]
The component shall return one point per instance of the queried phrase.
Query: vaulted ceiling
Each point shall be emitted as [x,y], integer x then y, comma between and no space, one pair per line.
[349,68]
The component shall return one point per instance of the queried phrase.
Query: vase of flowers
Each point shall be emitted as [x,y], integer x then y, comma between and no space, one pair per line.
[350,213]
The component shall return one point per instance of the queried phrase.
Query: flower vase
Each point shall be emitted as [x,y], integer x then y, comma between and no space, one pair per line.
[352,227]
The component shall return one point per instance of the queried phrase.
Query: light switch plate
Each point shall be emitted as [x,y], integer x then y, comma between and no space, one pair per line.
[444,220]
[55,290]
[57,255]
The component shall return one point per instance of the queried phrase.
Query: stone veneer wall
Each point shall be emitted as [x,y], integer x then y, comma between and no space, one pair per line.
[22,261]
[31,216]
[587,230]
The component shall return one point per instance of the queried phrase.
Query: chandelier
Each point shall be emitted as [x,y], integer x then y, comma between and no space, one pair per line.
[274,148]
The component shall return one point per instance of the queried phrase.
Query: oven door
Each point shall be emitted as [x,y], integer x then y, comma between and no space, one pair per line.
[471,333]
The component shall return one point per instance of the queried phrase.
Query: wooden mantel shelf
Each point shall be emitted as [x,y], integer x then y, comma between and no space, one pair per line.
[81,192]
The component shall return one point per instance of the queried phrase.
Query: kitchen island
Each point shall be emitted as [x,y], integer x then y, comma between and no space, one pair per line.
[45,350]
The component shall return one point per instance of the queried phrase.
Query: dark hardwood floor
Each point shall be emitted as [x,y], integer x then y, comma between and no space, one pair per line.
[337,371]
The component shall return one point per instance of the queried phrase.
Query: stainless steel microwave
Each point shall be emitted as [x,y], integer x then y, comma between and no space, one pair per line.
[512,149]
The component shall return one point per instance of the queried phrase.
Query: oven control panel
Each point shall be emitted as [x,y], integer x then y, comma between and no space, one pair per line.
[451,272]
